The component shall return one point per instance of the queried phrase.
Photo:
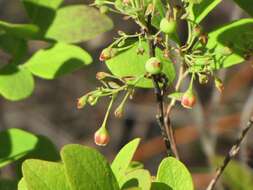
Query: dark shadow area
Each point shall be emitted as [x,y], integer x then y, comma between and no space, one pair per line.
[130,183]
[41,16]
[9,70]
[160,186]
[5,145]
[8,184]
[69,66]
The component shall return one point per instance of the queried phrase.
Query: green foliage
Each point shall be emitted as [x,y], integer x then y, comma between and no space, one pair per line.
[129,63]
[16,82]
[122,160]
[51,24]
[199,11]
[16,144]
[86,168]
[60,27]
[173,173]
[26,31]
[58,60]
[140,178]
[41,175]
[70,24]
[22,185]
[233,40]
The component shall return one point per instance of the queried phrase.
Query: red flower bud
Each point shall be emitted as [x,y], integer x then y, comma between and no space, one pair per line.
[101,137]
[188,99]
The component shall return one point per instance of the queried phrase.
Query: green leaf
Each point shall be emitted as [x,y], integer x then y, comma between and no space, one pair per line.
[246,5]
[14,144]
[26,31]
[78,23]
[160,186]
[44,150]
[199,11]
[58,60]
[138,178]
[86,168]
[159,13]
[43,175]
[173,173]
[6,184]
[124,157]
[22,185]
[42,13]
[129,63]
[16,83]
[237,37]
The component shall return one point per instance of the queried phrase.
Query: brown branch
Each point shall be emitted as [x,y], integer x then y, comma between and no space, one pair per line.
[159,92]
[232,153]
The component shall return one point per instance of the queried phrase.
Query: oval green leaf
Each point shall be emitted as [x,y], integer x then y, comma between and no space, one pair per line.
[16,83]
[43,175]
[129,63]
[86,168]
[22,184]
[137,178]
[174,173]
[14,144]
[26,31]
[124,157]
[58,60]
[78,23]
[237,36]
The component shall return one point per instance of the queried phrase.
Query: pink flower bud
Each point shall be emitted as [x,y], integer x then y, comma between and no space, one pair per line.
[81,102]
[119,112]
[107,54]
[101,137]
[188,99]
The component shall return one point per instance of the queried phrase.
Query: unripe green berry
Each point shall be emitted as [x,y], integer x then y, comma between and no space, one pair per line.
[103,9]
[153,66]
[168,26]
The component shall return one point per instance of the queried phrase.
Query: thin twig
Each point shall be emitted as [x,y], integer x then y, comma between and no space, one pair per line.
[232,153]
[168,125]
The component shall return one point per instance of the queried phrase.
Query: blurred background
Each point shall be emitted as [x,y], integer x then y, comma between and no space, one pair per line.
[208,130]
